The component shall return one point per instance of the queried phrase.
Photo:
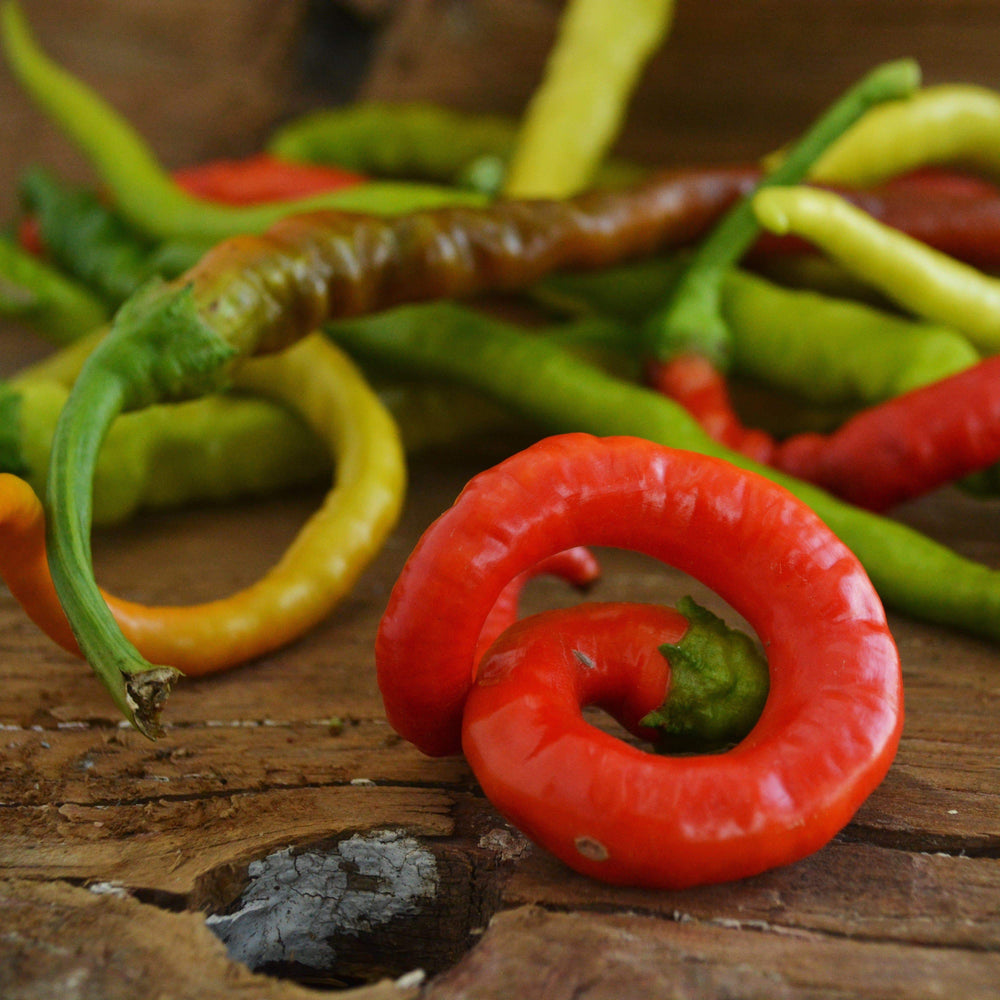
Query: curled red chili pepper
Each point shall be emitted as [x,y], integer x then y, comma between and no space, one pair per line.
[825,738]
[898,450]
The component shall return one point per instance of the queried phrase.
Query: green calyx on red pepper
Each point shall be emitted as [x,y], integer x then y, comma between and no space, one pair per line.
[718,686]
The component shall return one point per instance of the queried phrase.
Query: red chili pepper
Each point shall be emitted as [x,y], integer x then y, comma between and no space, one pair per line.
[895,451]
[577,566]
[261,178]
[942,181]
[694,382]
[29,235]
[828,731]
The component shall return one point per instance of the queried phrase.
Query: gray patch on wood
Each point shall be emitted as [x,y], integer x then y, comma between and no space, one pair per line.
[296,902]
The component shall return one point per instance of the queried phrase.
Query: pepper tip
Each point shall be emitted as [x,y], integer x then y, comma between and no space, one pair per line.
[146,693]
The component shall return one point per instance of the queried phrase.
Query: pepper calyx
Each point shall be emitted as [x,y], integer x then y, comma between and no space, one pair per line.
[718,686]
[693,322]
[162,349]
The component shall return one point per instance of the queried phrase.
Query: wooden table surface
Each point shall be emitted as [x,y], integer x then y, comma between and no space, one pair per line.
[279,841]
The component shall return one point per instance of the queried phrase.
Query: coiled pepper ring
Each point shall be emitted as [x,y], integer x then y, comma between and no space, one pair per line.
[824,740]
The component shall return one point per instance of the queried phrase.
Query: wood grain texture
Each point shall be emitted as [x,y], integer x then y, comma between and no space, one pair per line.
[118,856]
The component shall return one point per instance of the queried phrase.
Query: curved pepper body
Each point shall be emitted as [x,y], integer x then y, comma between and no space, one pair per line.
[950,123]
[919,278]
[260,293]
[803,591]
[828,731]
[323,562]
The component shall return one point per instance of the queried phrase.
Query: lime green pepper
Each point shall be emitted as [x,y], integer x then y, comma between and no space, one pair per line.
[418,141]
[214,448]
[415,140]
[218,447]
[819,348]
[143,191]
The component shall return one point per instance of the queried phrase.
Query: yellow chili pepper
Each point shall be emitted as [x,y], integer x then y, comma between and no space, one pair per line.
[956,124]
[321,565]
[923,280]
[576,112]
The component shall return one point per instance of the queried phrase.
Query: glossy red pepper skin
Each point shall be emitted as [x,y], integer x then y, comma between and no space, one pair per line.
[831,725]
[897,450]
[614,812]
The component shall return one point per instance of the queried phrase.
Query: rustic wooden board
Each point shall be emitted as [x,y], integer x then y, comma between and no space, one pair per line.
[292,752]
[279,811]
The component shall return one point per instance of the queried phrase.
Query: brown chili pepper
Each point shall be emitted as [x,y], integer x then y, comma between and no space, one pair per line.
[256,301]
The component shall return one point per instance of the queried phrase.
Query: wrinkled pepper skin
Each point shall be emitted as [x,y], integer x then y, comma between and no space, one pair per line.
[261,292]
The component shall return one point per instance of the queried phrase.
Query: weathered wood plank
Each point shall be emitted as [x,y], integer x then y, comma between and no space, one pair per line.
[167,845]
[534,952]
[271,779]
[847,890]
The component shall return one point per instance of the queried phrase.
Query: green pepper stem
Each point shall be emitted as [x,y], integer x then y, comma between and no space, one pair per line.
[718,685]
[137,687]
[157,349]
[691,318]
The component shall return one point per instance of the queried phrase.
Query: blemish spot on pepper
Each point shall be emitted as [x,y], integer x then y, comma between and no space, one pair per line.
[585,660]
[590,848]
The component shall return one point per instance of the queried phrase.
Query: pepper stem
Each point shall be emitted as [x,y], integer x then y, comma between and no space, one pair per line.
[691,319]
[158,350]
[718,685]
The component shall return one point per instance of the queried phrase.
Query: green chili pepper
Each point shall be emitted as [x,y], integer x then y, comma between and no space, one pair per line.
[92,243]
[821,349]
[218,447]
[576,112]
[143,191]
[547,384]
[953,123]
[919,278]
[41,296]
[416,140]
[693,314]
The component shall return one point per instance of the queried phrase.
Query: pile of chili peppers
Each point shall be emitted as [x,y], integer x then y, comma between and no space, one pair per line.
[661,303]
